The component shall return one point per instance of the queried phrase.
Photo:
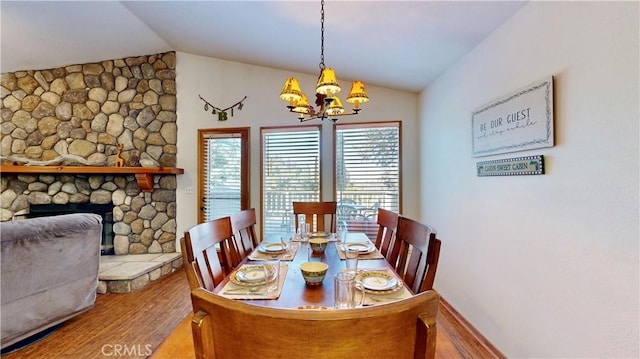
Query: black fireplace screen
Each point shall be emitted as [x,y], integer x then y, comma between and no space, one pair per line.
[104,210]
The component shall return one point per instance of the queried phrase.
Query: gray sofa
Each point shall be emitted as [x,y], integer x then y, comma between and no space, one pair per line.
[49,271]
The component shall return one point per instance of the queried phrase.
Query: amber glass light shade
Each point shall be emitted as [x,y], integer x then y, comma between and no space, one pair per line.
[291,91]
[335,107]
[358,94]
[328,83]
[302,106]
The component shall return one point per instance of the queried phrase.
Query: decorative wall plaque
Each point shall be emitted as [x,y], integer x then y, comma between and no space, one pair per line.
[530,165]
[519,121]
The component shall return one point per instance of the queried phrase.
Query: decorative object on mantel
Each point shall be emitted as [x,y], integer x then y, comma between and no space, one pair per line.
[53,161]
[222,113]
[329,104]
[134,160]
[529,165]
[519,121]
[147,161]
[119,161]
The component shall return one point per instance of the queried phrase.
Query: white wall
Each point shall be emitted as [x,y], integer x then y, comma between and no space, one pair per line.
[224,83]
[543,266]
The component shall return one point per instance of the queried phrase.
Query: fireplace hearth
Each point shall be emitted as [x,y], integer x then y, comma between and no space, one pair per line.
[104,210]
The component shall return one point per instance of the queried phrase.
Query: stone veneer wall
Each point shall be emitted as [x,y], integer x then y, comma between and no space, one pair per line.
[87,110]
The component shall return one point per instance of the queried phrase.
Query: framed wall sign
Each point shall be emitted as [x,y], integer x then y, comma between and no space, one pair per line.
[529,165]
[519,121]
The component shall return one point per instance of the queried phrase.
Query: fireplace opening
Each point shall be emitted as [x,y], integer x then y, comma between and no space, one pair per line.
[104,210]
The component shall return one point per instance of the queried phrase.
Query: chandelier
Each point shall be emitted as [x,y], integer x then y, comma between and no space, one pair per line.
[329,105]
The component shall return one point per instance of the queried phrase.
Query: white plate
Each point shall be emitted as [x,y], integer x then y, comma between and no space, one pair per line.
[378,281]
[273,247]
[362,248]
[252,274]
[249,276]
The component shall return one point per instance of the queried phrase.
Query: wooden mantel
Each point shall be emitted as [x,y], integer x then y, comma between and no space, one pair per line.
[144,175]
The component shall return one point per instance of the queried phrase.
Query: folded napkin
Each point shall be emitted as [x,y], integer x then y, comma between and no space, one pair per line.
[373,255]
[256,255]
[377,299]
[234,291]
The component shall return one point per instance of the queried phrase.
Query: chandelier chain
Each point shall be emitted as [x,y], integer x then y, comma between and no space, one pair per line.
[322,35]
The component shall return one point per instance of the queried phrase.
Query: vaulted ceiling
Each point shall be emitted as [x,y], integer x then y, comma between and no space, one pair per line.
[397,44]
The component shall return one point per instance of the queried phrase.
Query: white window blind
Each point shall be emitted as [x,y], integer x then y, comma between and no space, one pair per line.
[367,173]
[222,175]
[290,173]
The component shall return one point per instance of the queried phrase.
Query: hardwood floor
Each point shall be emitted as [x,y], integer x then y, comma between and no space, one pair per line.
[127,325]
[133,325]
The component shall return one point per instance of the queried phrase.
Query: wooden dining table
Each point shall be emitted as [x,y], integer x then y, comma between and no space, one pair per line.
[295,293]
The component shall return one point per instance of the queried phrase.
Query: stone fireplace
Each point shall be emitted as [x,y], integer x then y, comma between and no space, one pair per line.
[86,111]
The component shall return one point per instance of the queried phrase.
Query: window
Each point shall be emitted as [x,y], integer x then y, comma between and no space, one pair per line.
[223,171]
[290,173]
[367,173]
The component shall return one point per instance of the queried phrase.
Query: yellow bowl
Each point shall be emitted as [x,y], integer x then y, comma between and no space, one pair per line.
[318,244]
[314,272]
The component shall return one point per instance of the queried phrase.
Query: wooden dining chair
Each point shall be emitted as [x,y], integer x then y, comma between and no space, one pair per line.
[321,212]
[419,253]
[226,328]
[201,243]
[244,234]
[386,237]
[189,267]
